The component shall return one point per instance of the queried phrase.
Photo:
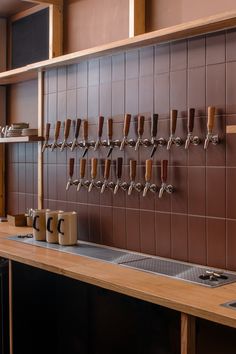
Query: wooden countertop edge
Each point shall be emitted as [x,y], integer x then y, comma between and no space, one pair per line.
[181,296]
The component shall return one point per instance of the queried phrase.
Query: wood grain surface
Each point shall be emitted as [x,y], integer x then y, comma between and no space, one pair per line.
[182,296]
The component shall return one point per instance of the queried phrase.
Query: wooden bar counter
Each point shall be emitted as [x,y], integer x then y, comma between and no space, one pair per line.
[187,298]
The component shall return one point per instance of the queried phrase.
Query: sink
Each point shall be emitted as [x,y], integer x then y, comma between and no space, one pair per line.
[194,273]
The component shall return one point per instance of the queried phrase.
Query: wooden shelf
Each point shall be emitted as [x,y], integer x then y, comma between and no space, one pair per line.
[190,29]
[21,139]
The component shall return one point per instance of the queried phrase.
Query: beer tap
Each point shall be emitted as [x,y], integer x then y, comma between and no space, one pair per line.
[77,129]
[154,141]
[85,143]
[110,143]
[125,131]
[100,129]
[56,135]
[119,164]
[140,132]
[164,187]
[47,132]
[71,172]
[66,134]
[148,176]
[190,138]
[94,164]
[172,139]
[210,138]
[82,173]
[106,175]
[132,173]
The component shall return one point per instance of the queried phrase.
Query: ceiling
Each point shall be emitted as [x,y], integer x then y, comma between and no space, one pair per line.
[11,7]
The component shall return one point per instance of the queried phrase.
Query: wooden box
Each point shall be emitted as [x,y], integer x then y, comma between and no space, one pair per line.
[17,220]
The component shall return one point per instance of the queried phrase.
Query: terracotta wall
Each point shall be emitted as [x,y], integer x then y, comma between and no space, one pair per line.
[165,13]
[88,23]
[22,103]
[198,222]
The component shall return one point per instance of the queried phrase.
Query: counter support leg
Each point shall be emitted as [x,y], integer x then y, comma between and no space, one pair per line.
[10,309]
[188,342]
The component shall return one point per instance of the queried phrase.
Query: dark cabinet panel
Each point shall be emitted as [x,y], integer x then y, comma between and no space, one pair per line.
[55,314]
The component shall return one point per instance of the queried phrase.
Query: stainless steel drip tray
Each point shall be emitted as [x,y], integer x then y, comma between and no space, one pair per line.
[86,249]
[180,270]
[156,265]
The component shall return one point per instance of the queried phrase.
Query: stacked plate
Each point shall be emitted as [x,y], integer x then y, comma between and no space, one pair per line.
[29,132]
[21,125]
[16,129]
[11,133]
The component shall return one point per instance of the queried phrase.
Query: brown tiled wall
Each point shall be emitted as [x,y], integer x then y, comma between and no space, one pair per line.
[198,222]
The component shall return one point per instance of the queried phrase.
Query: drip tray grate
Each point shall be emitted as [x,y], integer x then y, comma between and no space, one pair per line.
[86,249]
[180,270]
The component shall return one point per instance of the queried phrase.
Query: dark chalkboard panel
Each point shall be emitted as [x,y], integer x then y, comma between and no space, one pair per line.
[30,39]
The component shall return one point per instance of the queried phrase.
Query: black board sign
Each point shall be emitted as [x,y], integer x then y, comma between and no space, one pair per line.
[30,39]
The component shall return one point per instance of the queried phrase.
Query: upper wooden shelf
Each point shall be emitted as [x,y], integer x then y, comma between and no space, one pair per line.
[190,29]
[21,139]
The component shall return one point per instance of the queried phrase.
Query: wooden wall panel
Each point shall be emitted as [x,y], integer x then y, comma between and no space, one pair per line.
[22,103]
[92,22]
[165,13]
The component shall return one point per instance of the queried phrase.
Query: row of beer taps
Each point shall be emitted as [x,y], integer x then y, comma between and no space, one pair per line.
[129,187]
[154,142]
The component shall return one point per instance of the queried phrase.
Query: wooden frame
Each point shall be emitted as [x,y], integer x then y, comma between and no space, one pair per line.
[194,28]
[136,17]
[3,33]
[231,129]
[188,334]
[55,25]
[40,128]
[10,309]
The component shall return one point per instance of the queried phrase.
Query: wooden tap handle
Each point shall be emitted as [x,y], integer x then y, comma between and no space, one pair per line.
[173,120]
[119,164]
[191,114]
[127,124]
[107,168]
[148,172]
[82,167]
[154,125]
[77,127]
[110,128]
[47,131]
[100,126]
[164,165]
[140,125]
[211,119]
[85,129]
[94,168]
[57,129]
[71,167]
[67,128]
[132,169]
